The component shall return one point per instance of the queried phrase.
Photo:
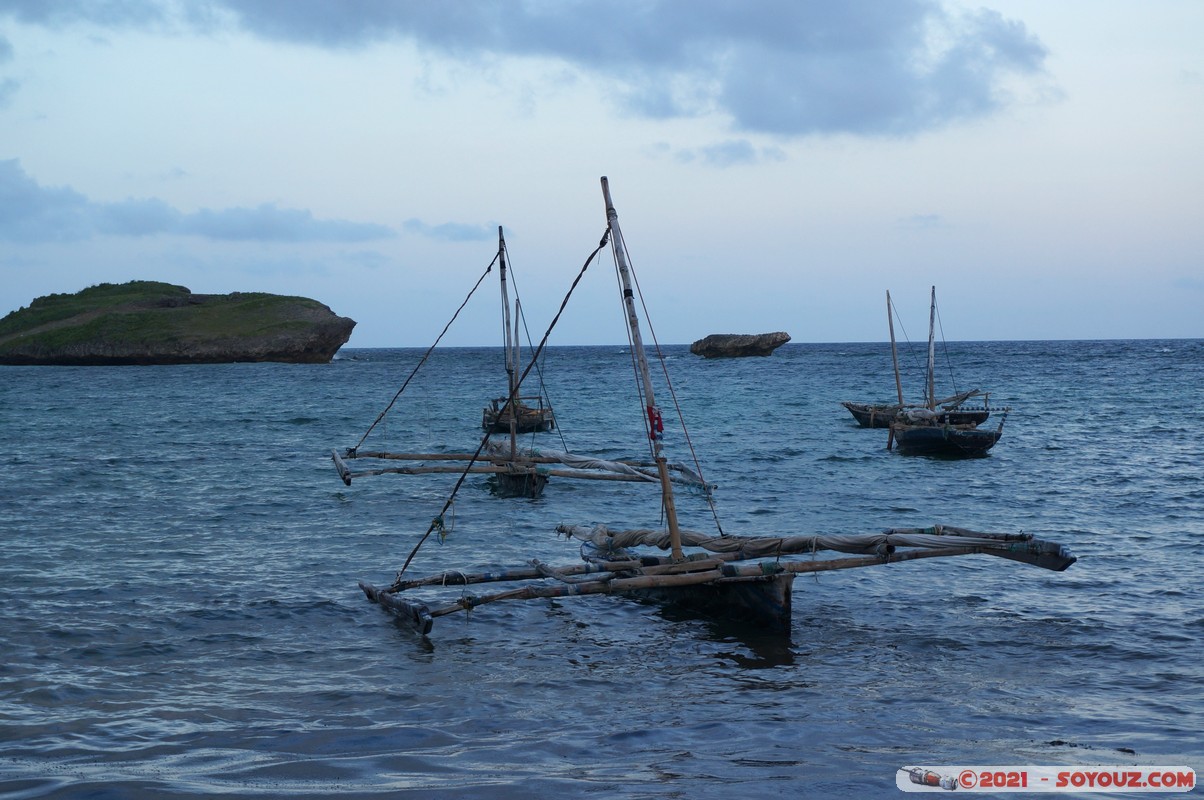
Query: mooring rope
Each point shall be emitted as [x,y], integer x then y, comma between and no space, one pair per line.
[435,523]
[426,354]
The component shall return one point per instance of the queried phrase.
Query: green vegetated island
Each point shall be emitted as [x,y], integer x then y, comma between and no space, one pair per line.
[147,322]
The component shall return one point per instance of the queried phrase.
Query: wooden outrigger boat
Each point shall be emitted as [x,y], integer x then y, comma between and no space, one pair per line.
[930,431]
[731,581]
[525,419]
[493,461]
[952,410]
[512,414]
[511,474]
[915,435]
[748,578]
[512,471]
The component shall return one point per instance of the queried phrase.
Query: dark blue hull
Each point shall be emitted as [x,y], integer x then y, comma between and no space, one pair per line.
[944,440]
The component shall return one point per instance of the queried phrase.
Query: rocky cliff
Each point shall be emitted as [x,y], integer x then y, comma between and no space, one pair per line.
[737,345]
[146,322]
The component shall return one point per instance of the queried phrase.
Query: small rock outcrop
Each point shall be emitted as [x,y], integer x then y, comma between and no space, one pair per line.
[738,345]
[147,322]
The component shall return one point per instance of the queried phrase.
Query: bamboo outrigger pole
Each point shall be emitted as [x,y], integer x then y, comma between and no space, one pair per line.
[655,424]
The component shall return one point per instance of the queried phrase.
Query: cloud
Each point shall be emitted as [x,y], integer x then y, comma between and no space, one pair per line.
[922,221]
[8,86]
[8,90]
[913,69]
[30,212]
[786,67]
[136,218]
[780,67]
[114,13]
[731,153]
[452,231]
[267,223]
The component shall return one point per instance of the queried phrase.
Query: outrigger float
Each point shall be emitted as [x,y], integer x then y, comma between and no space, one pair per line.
[746,578]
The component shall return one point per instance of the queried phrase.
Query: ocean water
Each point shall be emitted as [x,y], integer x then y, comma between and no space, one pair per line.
[179,615]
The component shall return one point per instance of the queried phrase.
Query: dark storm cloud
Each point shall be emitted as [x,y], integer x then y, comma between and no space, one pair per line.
[32,213]
[784,67]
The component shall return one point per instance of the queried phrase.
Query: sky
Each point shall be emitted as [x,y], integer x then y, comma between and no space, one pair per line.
[775,164]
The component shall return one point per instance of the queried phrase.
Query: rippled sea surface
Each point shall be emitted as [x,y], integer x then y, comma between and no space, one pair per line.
[179,613]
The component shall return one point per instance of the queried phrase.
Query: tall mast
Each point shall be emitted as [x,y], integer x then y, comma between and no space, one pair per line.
[514,404]
[894,351]
[501,254]
[518,351]
[511,403]
[655,424]
[932,353]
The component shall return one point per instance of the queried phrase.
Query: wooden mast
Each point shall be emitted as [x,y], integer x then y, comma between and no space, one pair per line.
[518,367]
[894,351]
[655,424]
[932,353]
[511,400]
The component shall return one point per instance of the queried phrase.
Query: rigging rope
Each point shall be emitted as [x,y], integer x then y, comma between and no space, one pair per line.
[425,355]
[672,393]
[543,388]
[916,365]
[635,368]
[945,348]
[437,522]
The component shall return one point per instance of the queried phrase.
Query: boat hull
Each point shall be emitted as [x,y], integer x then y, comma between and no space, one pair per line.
[950,441]
[763,603]
[530,420]
[871,416]
[518,484]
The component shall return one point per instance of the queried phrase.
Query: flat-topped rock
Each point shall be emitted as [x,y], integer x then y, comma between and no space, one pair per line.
[738,345]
